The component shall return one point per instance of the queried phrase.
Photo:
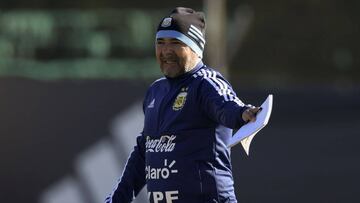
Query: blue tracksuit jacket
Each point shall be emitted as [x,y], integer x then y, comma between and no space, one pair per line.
[181,154]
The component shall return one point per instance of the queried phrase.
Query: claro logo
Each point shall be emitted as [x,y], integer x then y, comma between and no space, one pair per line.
[160,173]
[163,144]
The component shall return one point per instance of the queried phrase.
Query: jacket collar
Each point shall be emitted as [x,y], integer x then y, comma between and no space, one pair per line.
[187,74]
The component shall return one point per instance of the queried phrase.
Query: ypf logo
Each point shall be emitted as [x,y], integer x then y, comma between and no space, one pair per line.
[159,196]
[160,173]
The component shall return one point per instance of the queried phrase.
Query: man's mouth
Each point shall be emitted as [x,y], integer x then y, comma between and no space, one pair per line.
[169,61]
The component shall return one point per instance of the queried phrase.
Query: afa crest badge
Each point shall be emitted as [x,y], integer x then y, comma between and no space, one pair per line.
[166,22]
[180,99]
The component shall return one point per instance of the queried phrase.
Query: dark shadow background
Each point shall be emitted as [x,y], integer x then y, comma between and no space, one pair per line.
[307,153]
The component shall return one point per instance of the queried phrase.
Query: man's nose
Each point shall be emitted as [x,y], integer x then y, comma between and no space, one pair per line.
[166,49]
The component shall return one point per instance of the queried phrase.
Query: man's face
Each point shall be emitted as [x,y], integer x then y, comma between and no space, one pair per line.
[175,57]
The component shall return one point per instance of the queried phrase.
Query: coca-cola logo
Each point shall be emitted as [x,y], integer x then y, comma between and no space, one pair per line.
[163,144]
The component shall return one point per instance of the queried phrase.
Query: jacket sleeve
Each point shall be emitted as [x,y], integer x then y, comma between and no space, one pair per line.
[219,101]
[133,177]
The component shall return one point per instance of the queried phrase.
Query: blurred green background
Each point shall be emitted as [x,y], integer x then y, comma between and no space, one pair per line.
[78,44]
[286,42]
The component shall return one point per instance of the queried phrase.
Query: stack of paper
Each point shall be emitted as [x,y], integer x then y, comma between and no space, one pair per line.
[247,132]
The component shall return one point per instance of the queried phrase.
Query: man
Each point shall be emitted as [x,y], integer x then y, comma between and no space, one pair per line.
[181,154]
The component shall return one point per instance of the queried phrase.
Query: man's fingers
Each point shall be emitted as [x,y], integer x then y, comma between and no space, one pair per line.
[250,114]
[255,110]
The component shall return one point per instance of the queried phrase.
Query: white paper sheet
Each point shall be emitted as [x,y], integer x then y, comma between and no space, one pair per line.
[247,132]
